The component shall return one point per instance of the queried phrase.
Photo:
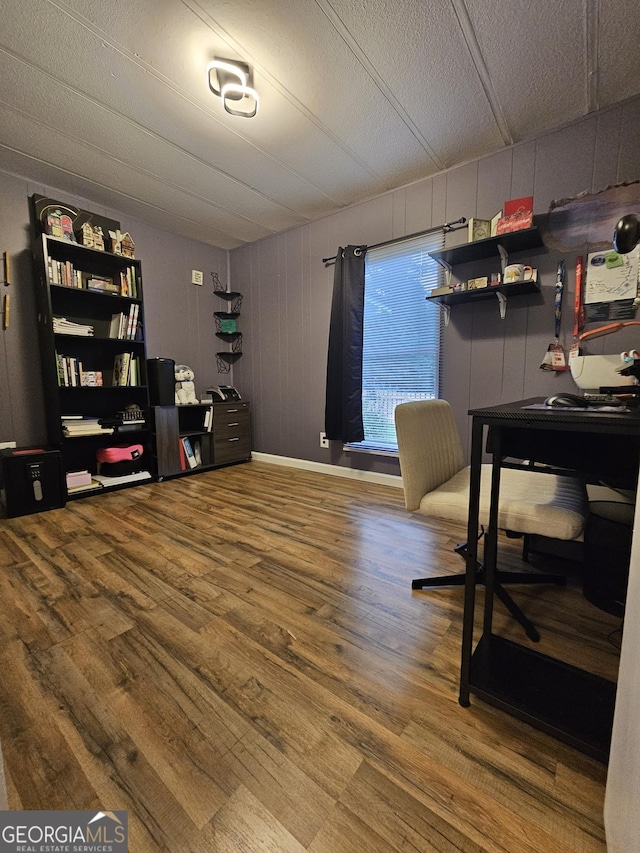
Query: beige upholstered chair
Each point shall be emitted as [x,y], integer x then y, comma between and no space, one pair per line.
[436,484]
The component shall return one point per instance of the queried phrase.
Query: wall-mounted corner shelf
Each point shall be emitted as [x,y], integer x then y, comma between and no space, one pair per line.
[224,360]
[226,328]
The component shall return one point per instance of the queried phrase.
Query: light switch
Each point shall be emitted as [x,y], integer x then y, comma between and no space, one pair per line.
[196,277]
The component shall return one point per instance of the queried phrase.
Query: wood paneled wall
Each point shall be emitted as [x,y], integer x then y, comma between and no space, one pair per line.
[486,360]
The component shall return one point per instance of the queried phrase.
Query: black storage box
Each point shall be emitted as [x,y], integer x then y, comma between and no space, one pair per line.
[32,480]
[161,375]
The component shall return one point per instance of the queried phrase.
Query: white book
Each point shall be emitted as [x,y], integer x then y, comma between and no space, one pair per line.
[116,325]
[188,452]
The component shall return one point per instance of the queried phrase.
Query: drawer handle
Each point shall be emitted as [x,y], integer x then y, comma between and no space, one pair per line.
[234,439]
[230,411]
[235,424]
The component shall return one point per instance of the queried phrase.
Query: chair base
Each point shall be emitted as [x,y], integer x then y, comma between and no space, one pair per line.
[500,591]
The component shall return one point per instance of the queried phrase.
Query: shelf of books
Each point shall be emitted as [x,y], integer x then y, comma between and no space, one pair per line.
[184,438]
[93,357]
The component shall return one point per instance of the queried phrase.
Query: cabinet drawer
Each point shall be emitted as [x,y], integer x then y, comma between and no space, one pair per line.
[232,449]
[224,411]
[231,427]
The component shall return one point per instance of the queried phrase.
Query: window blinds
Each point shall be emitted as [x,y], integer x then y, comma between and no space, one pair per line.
[401,352]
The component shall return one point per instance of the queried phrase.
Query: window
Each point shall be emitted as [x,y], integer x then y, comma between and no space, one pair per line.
[401,350]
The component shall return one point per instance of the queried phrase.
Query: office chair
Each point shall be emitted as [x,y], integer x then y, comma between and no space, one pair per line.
[436,484]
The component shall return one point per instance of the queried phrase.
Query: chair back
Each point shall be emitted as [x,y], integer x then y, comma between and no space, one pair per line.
[429,447]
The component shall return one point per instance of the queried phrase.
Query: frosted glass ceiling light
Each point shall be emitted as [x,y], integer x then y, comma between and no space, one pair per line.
[232,83]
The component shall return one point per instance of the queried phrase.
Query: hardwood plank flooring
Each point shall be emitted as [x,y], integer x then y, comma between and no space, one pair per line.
[238,660]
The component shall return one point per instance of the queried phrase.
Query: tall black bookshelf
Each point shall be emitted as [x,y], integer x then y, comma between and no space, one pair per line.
[94,364]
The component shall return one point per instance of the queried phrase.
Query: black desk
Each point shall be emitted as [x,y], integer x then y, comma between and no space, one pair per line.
[565,701]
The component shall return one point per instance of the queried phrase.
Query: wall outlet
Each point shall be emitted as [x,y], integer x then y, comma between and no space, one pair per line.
[324,441]
[196,277]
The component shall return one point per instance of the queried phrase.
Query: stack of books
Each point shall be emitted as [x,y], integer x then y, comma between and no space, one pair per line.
[81,481]
[78,425]
[62,326]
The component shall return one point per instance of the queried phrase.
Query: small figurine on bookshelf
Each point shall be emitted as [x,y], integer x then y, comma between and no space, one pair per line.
[121,244]
[59,224]
[86,235]
[185,387]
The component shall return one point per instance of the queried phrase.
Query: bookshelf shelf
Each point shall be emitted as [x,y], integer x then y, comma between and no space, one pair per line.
[99,293]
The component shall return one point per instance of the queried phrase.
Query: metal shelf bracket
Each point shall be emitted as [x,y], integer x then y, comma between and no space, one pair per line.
[502,299]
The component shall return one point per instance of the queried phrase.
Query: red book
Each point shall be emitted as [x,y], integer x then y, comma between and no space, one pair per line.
[183,461]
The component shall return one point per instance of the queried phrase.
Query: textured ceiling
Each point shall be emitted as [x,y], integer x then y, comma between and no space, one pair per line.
[109,100]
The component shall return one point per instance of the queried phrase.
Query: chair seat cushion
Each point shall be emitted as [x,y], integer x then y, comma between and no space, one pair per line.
[530,502]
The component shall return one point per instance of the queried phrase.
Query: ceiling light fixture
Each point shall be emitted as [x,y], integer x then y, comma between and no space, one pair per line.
[231,82]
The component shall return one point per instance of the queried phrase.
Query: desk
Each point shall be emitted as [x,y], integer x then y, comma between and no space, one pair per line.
[565,701]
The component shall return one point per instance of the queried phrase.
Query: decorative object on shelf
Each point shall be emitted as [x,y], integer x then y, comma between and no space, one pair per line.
[86,235]
[127,246]
[479,229]
[228,327]
[98,239]
[121,244]
[185,387]
[517,272]
[232,82]
[518,214]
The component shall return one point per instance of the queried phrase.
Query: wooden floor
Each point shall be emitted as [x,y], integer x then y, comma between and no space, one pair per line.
[238,660]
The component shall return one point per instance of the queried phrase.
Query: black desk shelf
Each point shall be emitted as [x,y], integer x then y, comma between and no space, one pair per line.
[568,703]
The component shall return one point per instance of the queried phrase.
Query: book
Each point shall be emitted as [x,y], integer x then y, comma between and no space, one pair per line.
[91,486]
[91,378]
[183,460]
[188,452]
[115,327]
[132,321]
[125,478]
[121,369]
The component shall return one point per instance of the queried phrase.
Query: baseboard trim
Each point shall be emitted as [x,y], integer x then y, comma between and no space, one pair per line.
[334,470]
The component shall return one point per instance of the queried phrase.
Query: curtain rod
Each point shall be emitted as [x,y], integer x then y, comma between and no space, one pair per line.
[447,227]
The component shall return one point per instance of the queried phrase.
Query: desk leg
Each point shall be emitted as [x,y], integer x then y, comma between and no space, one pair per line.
[472,560]
[491,537]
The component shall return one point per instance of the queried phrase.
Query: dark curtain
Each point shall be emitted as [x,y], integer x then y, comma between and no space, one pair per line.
[343,409]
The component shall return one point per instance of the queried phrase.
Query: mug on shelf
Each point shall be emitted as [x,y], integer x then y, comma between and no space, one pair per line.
[517,272]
